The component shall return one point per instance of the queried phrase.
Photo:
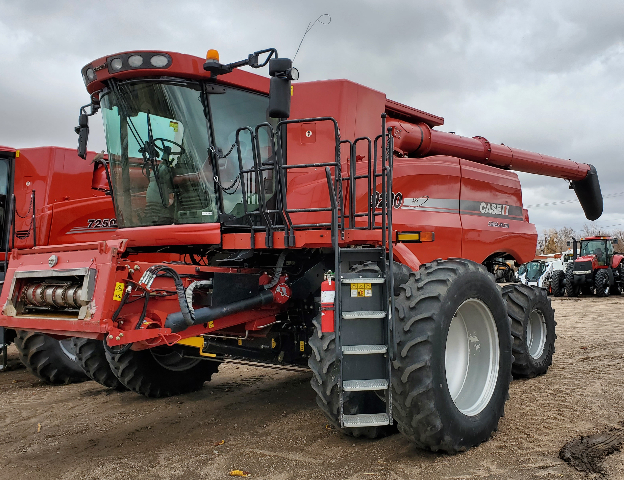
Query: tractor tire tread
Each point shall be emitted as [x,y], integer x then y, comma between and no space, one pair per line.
[91,356]
[43,357]
[414,398]
[519,300]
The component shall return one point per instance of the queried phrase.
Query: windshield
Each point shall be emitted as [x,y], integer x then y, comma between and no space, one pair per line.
[535,269]
[595,247]
[167,141]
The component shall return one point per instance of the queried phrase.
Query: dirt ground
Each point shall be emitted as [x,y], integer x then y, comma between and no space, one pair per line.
[266,422]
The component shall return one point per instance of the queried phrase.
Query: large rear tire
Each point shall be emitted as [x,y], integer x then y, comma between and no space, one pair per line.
[533,329]
[453,360]
[51,360]
[601,283]
[558,283]
[91,356]
[161,371]
[325,381]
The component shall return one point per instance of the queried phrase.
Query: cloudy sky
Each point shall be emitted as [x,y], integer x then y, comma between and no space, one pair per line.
[546,76]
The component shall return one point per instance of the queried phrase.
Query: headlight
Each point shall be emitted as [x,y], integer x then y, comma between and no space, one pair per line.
[90,74]
[116,64]
[159,61]
[129,61]
[135,61]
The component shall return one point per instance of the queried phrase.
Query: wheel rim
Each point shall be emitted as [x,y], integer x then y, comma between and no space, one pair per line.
[536,334]
[471,357]
[67,347]
[173,360]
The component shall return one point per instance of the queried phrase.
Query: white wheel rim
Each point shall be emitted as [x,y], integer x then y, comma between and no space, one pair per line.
[471,357]
[536,334]
[68,349]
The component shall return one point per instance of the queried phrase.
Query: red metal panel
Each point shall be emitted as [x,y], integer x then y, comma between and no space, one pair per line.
[429,190]
[396,109]
[485,230]
[183,66]
[157,235]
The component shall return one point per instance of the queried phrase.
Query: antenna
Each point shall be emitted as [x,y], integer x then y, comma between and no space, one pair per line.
[324,21]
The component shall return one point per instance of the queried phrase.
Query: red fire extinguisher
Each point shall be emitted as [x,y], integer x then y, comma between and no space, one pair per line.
[328,296]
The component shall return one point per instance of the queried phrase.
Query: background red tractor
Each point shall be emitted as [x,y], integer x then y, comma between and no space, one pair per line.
[322,240]
[45,199]
[597,268]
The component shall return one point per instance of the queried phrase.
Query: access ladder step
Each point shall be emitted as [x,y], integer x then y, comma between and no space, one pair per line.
[363,314]
[366,420]
[364,385]
[364,349]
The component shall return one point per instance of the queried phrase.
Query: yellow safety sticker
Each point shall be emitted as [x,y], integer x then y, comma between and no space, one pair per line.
[291,91]
[240,342]
[301,346]
[361,290]
[210,324]
[118,293]
[174,125]
[273,343]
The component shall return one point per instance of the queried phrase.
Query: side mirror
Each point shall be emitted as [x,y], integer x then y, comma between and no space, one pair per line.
[83,134]
[568,243]
[615,241]
[279,98]
[281,72]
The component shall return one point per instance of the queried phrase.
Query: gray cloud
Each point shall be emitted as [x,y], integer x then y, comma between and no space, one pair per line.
[545,77]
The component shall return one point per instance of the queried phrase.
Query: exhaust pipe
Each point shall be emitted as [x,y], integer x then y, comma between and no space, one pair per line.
[176,322]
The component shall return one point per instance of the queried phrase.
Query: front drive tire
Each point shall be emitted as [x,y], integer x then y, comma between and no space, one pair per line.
[453,356]
[91,356]
[571,289]
[49,359]
[161,371]
[532,328]
[558,283]
[601,283]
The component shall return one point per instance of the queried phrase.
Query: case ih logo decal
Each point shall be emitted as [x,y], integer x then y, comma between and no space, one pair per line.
[454,205]
[495,208]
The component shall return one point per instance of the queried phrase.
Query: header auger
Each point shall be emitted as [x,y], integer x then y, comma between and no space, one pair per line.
[314,237]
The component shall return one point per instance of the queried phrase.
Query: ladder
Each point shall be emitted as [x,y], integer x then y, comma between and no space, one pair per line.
[363,335]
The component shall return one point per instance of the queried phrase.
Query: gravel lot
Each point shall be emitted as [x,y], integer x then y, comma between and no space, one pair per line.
[265,422]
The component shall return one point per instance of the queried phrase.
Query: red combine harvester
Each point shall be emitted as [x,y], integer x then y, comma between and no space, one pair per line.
[310,240]
[598,268]
[45,199]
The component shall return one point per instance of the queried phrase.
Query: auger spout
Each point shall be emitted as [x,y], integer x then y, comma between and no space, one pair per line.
[420,140]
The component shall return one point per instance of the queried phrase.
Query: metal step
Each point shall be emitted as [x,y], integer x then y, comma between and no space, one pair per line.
[364,349]
[364,280]
[363,314]
[366,420]
[364,385]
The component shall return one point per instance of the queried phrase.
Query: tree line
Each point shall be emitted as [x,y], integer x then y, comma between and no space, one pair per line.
[555,240]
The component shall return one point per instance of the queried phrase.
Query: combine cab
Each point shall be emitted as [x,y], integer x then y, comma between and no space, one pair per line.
[304,224]
[596,269]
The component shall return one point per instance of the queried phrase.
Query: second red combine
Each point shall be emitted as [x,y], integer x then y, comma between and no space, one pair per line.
[302,224]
